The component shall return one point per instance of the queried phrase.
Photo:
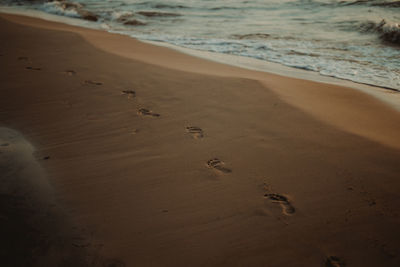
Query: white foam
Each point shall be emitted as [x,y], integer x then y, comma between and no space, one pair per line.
[50,17]
[57,8]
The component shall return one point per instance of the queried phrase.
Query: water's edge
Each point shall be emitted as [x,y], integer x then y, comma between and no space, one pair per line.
[388,95]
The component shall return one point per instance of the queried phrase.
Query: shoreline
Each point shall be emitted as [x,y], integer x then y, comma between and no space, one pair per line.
[388,95]
[164,159]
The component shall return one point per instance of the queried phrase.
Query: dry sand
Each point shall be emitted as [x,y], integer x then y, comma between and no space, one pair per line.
[203,165]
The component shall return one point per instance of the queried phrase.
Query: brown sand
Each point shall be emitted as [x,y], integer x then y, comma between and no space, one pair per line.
[275,172]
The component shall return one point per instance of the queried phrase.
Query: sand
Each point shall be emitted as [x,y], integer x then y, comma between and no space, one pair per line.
[156,158]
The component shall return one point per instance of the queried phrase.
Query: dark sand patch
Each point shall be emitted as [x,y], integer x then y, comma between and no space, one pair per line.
[33,232]
[34,229]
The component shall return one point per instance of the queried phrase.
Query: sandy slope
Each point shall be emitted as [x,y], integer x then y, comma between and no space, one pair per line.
[305,171]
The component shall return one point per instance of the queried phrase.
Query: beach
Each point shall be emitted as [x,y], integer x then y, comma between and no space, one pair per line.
[157,158]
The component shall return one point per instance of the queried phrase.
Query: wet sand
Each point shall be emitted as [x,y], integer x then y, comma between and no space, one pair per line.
[162,159]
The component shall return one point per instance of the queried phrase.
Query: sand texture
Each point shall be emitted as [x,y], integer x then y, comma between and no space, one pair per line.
[155,158]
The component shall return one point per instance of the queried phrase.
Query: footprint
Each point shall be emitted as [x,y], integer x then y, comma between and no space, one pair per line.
[130,93]
[218,165]
[5,144]
[287,208]
[146,112]
[23,58]
[69,72]
[33,68]
[333,261]
[195,131]
[90,82]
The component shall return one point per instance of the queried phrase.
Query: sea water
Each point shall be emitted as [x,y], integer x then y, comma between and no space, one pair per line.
[356,40]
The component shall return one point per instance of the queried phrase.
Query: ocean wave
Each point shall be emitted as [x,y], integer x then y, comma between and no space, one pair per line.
[157,14]
[125,17]
[372,3]
[61,8]
[387,4]
[22,2]
[251,36]
[169,6]
[263,36]
[342,3]
[223,8]
[160,5]
[69,9]
[120,16]
[387,32]
[134,22]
